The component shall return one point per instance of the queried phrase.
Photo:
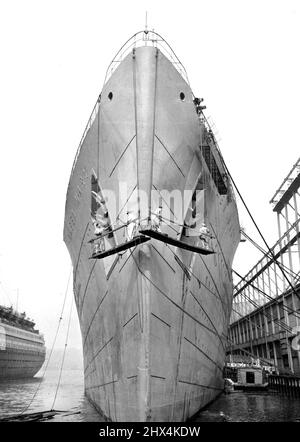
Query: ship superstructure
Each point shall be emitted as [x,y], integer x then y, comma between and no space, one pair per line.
[151,225]
[22,347]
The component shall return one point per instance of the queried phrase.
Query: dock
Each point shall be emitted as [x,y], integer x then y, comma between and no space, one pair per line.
[289,385]
[265,321]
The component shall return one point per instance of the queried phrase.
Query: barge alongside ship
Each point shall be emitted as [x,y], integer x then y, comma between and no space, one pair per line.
[153,297]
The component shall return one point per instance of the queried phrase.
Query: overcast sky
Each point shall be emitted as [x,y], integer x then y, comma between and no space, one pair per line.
[242,57]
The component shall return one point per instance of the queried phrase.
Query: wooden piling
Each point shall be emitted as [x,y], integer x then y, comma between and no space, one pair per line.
[284,384]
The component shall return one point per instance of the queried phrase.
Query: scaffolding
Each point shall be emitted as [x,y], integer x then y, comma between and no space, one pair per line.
[266,306]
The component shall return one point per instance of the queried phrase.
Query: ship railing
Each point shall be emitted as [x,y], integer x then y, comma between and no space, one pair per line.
[208,127]
[204,121]
[141,38]
[87,128]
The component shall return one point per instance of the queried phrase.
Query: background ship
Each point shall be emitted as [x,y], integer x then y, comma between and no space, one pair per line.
[22,347]
[153,305]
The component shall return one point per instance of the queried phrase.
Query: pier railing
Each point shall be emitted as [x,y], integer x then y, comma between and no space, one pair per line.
[285,384]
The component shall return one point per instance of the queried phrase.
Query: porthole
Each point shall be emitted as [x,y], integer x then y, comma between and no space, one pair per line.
[182,96]
[110,96]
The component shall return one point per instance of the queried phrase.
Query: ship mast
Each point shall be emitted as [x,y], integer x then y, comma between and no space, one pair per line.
[146,23]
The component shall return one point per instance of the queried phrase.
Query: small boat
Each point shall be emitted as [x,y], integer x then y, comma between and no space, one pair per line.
[251,378]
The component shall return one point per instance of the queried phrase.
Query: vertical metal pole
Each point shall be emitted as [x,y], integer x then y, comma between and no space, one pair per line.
[286,316]
[277,288]
[267,332]
[248,329]
[286,319]
[251,333]
[288,238]
[263,280]
[239,330]
[257,325]
[278,317]
[294,308]
[295,313]
[245,331]
[257,351]
[266,329]
[278,225]
[275,354]
[272,331]
[280,244]
[297,225]
[258,286]
[290,355]
[272,318]
[261,325]
[271,283]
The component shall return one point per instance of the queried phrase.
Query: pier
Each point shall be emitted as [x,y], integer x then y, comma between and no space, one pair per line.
[289,385]
[265,321]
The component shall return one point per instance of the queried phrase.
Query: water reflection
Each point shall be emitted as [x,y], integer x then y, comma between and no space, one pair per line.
[251,407]
[235,407]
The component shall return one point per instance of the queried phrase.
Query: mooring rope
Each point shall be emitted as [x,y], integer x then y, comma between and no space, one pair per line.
[52,347]
[64,354]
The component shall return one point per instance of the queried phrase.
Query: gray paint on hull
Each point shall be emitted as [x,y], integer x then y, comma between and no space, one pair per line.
[150,351]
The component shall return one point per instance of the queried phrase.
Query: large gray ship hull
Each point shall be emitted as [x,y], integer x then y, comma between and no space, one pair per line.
[154,319]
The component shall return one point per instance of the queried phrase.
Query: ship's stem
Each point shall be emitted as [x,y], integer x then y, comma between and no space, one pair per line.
[143,372]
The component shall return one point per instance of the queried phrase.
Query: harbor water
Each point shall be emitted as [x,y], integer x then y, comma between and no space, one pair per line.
[74,407]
